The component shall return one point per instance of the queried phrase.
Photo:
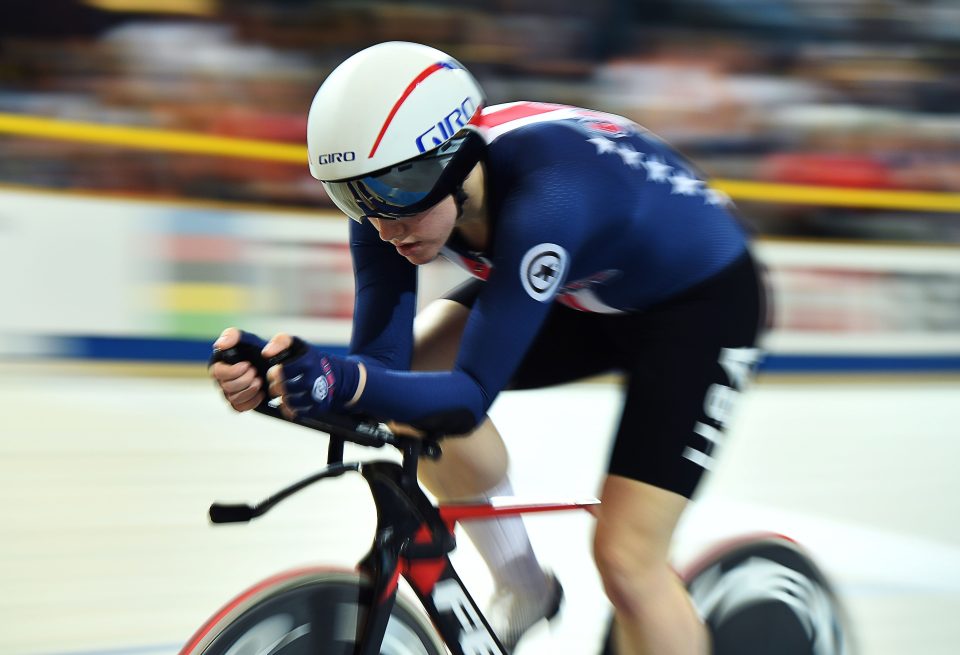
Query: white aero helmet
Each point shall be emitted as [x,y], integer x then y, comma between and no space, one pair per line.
[388,130]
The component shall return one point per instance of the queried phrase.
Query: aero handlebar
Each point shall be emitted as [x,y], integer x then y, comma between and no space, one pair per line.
[361,430]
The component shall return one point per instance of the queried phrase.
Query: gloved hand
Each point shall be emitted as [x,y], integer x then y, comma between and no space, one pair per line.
[310,382]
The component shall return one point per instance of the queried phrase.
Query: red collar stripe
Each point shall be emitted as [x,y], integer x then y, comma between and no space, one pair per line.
[518,111]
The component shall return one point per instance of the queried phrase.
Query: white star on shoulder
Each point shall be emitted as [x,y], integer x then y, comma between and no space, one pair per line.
[630,157]
[685,185]
[716,197]
[603,144]
[657,169]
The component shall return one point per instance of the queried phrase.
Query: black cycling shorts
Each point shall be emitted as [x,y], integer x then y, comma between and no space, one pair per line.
[685,361]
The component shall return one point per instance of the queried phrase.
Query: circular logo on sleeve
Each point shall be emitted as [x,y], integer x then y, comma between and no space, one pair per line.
[542,270]
[320,389]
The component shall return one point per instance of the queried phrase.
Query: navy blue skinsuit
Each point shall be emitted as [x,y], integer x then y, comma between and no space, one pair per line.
[587,209]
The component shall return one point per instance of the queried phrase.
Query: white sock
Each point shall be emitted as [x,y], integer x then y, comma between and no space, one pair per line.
[504,546]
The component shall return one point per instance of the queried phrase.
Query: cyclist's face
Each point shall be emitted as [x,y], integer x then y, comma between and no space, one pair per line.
[420,237]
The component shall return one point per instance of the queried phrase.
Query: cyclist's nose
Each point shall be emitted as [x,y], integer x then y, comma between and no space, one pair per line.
[391,230]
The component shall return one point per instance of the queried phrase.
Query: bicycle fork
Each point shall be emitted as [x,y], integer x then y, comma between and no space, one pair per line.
[413,540]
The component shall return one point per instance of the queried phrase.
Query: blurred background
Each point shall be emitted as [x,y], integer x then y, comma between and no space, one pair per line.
[154,189]
[826,122]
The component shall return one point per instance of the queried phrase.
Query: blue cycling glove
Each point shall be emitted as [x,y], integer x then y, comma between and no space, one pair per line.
[316,382]
[252,341]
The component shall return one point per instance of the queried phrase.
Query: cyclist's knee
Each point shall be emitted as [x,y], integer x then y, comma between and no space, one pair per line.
[469,467]
[631,569]
[632,540]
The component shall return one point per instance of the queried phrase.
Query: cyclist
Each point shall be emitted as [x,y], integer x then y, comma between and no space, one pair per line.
[594,247]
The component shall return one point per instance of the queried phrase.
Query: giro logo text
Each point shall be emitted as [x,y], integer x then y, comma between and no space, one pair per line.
[474,638]
[446,128]
[336,157]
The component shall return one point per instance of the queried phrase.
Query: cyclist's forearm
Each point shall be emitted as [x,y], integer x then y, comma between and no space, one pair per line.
[450,402]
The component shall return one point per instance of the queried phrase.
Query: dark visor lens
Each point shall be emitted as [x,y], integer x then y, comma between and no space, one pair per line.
[400,191]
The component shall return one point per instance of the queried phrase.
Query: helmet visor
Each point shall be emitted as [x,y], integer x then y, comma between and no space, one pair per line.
[403,190]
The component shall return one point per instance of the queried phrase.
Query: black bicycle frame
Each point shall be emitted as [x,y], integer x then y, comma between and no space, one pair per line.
[413,541]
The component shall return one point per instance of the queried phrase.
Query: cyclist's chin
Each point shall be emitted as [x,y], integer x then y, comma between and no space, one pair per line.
[420,253]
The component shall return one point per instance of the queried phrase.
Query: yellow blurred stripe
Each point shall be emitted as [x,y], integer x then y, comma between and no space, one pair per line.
[189,7]
[151,139]
[202,298]
[840,196]
[191,142]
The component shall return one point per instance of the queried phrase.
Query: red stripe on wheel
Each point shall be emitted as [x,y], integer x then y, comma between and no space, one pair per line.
[427,72]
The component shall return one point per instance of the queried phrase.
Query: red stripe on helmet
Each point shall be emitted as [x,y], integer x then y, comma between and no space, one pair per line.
[427,72]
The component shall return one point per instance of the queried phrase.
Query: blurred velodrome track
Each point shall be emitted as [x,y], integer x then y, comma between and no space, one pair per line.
[106,475]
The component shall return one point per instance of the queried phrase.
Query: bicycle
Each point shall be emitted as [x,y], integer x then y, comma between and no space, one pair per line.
[338,612]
